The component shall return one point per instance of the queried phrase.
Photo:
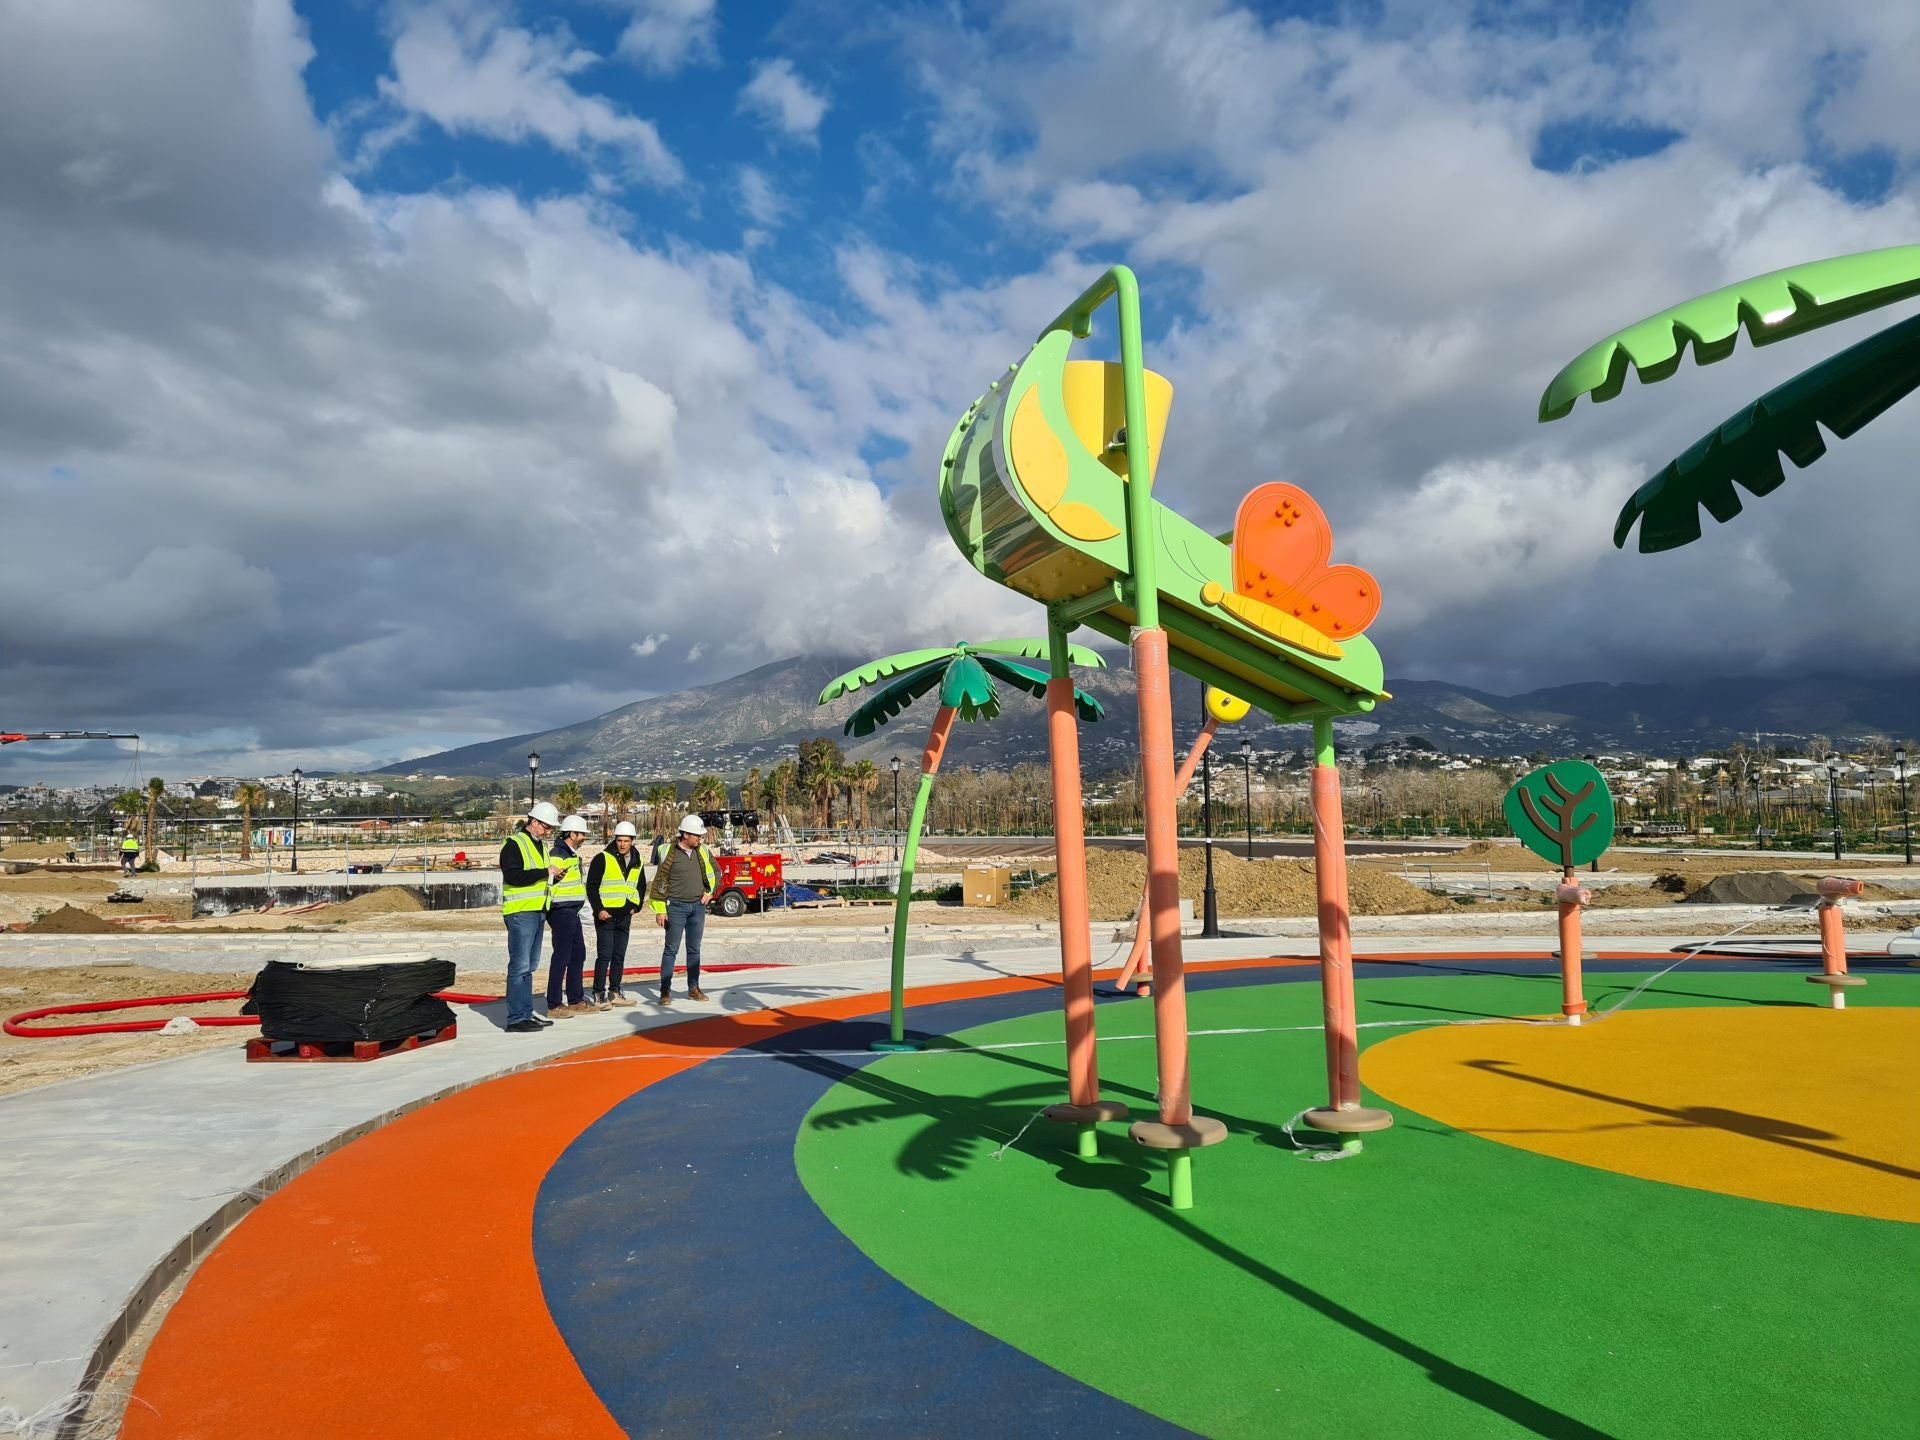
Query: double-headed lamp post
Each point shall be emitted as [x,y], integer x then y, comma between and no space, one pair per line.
[894,765]
[1246,775]
[1833,799]
[296,820]
[1906,819]
[533,775]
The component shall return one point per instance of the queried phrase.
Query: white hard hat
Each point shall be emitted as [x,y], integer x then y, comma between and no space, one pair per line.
[540,810]
[692,825]
[573,825]
[625,827]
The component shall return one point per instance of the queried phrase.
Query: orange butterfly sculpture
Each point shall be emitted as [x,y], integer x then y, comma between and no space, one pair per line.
[1282,583]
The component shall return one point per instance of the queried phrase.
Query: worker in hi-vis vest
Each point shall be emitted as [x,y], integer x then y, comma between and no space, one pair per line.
[682,888]
[566,898]
[129,852]
[525,875]
[613,894]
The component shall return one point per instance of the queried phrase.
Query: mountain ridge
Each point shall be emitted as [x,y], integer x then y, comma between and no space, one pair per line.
[760,716]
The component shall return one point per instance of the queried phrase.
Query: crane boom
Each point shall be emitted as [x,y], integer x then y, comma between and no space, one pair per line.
[7,737]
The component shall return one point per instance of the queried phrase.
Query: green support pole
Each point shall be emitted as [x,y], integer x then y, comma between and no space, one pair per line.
[1089,1148]
[1180,1178]
[897,1001]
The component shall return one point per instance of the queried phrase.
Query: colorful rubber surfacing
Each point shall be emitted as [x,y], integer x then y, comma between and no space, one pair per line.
[674,1235]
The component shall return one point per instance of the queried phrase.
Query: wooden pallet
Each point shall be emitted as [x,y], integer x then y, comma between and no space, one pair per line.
[261,1048]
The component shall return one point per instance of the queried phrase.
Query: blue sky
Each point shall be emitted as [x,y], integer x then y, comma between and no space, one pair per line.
[384,374]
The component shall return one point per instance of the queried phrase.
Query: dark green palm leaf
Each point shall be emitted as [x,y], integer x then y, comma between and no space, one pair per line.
[891,699]
[1843,394]
[879,669]
[968,689]
[1034,682]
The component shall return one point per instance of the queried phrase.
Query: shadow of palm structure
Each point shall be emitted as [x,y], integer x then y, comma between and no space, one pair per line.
[1709,1117]
[1602,992]
[958,1130]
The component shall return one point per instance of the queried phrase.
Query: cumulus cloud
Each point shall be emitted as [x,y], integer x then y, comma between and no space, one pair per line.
[665,36]
[646,647]
[780,98]
[465,68]
[759,201]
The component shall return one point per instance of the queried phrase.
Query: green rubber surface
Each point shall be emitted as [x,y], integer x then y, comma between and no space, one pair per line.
[1436,1285]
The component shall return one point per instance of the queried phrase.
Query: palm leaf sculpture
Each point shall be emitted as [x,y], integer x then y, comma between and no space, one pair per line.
[964,675]
[1842,394]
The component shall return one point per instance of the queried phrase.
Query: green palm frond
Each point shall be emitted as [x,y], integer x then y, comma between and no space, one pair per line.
[1034,682]
[890,700]
[1772,307]
[1037,650]
[967,688]
[1843,394]
[879,669]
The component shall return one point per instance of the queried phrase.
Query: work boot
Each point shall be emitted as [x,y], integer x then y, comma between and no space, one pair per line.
[619,998]
[666,996]
[694,992]
[561,1012]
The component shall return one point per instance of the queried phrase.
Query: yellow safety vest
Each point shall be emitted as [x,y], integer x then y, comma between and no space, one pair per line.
[620,887]
[515,899]
[571,887]
[706,866]
[130,843]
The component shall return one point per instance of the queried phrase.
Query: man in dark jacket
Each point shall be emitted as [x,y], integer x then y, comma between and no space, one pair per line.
[681,890]
[613,894]
[525,874]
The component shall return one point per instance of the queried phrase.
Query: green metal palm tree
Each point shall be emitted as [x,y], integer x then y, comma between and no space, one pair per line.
[964,675]
[1841,394]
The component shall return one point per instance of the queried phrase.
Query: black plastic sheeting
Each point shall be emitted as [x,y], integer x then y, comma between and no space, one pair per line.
[375,1002]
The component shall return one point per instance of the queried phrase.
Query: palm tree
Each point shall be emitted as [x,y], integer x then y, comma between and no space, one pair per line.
[750,791]
[964,675]
[820,780]
[661,800]
[615,799]
[568,798]
[251,797]
[780,782]
[156,787]
[709,792]
[863,777]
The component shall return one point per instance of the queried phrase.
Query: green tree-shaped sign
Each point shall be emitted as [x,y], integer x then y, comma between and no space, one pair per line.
[1563,812]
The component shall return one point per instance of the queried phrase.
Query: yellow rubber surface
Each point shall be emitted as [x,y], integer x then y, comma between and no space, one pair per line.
[1797,1105]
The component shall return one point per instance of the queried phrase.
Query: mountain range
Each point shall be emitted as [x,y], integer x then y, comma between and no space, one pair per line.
[760,717]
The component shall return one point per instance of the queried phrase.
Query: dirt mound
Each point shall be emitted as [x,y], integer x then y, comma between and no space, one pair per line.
[387,900]
[71,920]
[54,882]
[35,850]
[1244,888]
[1752,887]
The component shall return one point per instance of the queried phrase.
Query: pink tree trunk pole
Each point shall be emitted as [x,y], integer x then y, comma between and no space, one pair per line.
[1181,784]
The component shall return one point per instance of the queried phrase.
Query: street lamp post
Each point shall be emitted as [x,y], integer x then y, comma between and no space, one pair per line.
[533,774]
[296,821]
[894,765]
[1246,774]
[1759,812]
[1906,818]
[1833,799]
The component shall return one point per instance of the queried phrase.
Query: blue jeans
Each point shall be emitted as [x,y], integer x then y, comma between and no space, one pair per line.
[689,918]
[523,958]
[564,971]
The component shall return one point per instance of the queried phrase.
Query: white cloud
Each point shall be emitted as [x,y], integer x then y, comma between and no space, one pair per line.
[696,652]
[666,36]
[646,647]
[759,201]
[465,68]
[779,97]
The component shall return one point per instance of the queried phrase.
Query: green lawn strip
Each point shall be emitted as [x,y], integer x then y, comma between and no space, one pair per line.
[1438,1285]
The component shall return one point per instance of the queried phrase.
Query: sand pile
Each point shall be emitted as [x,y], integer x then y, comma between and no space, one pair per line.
[1769,887]
[70,920]
[387,900]
[53,882]
[35,850]
[1245,888]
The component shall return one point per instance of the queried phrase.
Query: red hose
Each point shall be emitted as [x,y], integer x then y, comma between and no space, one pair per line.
[15,1026]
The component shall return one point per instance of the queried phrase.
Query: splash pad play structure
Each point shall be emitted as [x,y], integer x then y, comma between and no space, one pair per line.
[894,1213]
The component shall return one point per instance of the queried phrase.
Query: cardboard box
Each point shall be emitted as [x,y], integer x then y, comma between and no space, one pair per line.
[985,884]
